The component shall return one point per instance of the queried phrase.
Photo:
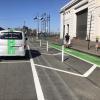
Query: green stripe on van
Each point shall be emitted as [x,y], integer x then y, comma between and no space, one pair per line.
[11,49]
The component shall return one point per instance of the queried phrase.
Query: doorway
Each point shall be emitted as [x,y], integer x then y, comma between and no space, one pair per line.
[81,29]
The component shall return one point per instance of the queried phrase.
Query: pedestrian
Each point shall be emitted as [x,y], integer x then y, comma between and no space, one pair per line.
[67,37]
[97,44]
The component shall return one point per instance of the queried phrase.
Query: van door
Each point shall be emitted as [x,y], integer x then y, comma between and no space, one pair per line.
[11,42]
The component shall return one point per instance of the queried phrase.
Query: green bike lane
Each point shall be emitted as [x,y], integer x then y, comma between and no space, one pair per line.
[83,56]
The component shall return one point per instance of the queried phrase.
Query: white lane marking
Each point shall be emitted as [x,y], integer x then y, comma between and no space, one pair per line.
[14,62]
[39,92]
[75,56]
[55,48]
[69,50]
[51,54]
[75,74]
[87,73]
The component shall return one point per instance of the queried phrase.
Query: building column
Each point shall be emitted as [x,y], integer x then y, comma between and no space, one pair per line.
[97,19]
[61,25]
[91,20]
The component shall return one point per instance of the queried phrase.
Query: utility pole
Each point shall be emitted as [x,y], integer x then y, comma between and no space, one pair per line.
[45,23]
[89,33]
[37,18]
[24,22]
[49,23]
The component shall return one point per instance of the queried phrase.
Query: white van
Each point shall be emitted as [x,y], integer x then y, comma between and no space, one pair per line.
[12,43]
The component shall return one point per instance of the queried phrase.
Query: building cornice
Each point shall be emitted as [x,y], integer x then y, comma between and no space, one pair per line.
[78,3]
[69,4]
[82,3]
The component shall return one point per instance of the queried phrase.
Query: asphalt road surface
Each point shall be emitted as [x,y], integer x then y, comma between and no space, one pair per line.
[42,76]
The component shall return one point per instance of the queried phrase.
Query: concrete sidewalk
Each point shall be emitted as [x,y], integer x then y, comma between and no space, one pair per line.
[82,45]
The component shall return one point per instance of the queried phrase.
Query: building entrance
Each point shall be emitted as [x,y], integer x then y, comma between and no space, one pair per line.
[81,29]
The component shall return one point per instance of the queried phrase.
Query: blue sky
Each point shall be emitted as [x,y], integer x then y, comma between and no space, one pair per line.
[13,13]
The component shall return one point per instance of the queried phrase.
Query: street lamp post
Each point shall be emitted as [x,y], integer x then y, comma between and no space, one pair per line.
[37,18]
[45,24]
[48,23]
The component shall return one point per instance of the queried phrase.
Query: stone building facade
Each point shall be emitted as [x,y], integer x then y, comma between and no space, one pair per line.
[81,19]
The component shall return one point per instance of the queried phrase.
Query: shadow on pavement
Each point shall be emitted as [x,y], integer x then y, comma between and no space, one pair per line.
[34,53]
[26,57]
[66,58]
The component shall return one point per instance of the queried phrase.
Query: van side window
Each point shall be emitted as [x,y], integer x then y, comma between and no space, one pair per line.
[11,35]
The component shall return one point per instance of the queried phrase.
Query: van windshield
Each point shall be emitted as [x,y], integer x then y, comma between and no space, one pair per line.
[11,35]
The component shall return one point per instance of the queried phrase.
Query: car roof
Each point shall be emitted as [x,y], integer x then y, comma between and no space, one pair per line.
[10,30]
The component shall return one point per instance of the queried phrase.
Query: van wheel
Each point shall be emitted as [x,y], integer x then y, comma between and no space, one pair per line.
[0,58]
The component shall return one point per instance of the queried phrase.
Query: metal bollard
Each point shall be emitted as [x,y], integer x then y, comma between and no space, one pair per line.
[40,43]
[47,46]
[62,53]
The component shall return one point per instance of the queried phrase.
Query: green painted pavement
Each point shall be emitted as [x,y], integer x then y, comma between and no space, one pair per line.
[83,56]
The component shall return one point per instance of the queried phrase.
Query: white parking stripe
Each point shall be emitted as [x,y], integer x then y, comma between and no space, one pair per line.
[59,70]
[90,71]
[5,62]
[51,54]
[87,72]
[39,92]
[74,56]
